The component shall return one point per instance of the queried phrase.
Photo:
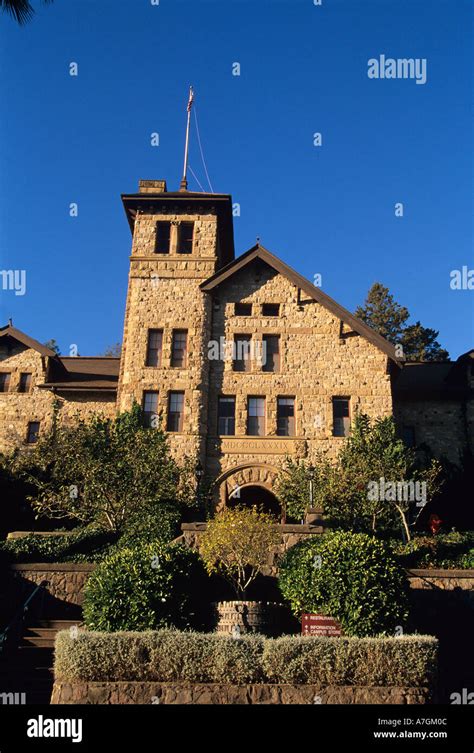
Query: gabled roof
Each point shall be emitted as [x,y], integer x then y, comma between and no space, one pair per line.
[259,252]
[29,342]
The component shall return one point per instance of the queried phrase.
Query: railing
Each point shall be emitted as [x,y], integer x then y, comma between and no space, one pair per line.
[14,626]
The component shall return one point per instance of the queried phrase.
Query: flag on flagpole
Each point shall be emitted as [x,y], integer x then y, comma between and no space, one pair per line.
[191,98]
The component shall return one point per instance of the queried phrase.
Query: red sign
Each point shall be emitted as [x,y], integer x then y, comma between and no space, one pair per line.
[319,624]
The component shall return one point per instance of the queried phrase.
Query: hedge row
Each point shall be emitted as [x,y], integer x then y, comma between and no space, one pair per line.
[169,655]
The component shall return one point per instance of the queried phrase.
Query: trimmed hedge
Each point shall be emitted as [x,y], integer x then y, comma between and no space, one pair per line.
[407,660]
[162,656]
[169,655]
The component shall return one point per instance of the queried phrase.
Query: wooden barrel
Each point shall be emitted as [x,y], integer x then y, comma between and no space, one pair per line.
[239,617]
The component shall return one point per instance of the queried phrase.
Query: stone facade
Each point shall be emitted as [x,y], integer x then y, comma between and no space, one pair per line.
[325,353]
[51,394]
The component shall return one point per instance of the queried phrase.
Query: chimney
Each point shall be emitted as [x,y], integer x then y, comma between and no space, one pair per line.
[152,186]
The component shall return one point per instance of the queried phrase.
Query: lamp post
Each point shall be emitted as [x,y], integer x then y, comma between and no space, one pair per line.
[198,473]
[311,479]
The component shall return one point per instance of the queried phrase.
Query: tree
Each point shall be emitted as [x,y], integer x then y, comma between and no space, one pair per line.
[420,344]
[21,10]
[372,486]
[381,312]
[237,543]
[295,482]
[106,471]
[114,350]
[52,345]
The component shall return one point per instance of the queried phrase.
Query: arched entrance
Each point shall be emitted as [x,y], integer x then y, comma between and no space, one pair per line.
[258,478]
[254,495]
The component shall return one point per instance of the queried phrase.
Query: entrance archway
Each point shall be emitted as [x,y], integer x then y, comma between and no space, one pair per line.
[254,495]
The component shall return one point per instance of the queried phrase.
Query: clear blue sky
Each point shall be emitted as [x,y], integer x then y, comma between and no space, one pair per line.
[327,210]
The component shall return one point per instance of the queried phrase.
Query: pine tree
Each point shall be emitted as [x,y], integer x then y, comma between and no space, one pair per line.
[52,345]
[381,312]
[420,344]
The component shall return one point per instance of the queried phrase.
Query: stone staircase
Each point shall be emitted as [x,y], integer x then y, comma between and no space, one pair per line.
[27,672]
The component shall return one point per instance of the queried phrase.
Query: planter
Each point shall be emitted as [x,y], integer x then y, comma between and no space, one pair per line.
[239,617]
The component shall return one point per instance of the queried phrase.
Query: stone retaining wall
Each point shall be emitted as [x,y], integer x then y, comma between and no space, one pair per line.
[224,694]
[447,580]
[65,582]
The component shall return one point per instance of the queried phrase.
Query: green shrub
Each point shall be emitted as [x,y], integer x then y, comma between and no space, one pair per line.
[445,550]
[170,655]
[160,523]
[149,586]
[89,544]
[352,577]
[161,656]
[407,660]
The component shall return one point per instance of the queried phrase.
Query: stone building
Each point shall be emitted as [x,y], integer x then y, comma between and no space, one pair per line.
[242,359]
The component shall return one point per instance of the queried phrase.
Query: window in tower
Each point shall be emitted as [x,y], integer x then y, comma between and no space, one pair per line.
[185,238]
[162,237]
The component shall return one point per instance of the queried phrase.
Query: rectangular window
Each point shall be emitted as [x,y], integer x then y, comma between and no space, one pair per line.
[179,348]
[150,408]
[4,381]
[33,431]
[226,416]
[162,237]
[243,309]
[271,353]
[408,435]
[341,421]
[242,344]
[286,416]
[25,383]
[256,417]
[270,309]
[175,411]
[185,238]
[154,347]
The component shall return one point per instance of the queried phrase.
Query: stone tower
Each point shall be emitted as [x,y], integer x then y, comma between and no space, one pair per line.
[179,240]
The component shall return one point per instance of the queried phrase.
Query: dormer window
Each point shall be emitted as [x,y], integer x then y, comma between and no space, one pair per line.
[162,237]
[270,309]
[185,238]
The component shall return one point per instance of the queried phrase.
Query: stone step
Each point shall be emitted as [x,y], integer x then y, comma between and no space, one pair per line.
[40,641]
[54,624]
[41,632]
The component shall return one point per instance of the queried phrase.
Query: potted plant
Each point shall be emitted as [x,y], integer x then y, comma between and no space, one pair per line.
[237,544]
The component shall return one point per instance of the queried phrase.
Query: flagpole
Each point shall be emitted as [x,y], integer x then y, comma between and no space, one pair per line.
[184,183]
